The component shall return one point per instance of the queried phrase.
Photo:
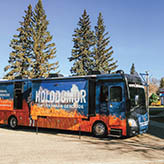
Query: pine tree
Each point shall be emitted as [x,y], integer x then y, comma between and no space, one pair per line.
[43,50]
[32,50]
[83,39]
[132,70]
[102,54]
[19,59]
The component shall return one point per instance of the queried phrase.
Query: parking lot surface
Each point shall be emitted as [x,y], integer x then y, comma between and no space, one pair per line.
[24,146]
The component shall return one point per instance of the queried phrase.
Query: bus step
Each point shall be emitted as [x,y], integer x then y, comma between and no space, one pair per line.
[114,136]
[115,132]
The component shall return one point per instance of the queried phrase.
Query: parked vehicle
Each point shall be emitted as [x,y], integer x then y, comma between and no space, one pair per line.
[102,104]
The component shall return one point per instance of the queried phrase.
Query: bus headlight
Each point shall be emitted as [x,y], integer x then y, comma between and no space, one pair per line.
[132,122]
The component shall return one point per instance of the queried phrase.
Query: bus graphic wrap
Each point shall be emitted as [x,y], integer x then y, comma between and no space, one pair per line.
[60,99]
[102,104]
[6,96]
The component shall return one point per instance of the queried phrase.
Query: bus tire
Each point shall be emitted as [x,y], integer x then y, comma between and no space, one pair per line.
[12,122]
[99,129]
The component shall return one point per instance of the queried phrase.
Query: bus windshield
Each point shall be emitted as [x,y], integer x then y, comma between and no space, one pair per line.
[137,97]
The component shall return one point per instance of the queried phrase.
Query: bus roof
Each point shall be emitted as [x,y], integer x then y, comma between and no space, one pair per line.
[117,76]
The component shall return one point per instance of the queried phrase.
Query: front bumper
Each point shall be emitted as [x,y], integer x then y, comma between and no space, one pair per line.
[142,122]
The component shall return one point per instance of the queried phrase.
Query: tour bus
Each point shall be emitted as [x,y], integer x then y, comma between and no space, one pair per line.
[103,104]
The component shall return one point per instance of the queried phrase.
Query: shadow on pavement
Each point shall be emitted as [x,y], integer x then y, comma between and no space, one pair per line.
[46,131]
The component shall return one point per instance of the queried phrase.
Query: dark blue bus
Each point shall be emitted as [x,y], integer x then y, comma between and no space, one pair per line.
[105,104]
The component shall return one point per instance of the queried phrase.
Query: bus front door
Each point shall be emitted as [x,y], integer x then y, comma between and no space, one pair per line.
[116,104]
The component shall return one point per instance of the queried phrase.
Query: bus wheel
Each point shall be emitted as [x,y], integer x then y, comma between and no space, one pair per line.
[13,122]
[99,129]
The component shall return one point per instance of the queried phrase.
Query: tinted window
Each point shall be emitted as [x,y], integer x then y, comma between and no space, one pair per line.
[115,94]
[18,95]
[104,93]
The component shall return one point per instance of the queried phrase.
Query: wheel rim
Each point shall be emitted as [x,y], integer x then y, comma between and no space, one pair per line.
[99,129]
[13,122]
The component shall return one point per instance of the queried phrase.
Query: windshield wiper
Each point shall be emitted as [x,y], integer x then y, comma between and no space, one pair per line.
[134,108]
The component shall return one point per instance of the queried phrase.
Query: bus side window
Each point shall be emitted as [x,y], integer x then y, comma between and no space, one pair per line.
[104,93]
[115,94]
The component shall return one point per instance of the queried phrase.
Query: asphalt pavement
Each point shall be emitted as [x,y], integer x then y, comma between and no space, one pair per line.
[156,125]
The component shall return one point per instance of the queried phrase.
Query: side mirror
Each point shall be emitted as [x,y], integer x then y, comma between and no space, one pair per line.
[136,99]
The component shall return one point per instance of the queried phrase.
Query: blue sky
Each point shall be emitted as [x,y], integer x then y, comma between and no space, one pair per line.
[136,28]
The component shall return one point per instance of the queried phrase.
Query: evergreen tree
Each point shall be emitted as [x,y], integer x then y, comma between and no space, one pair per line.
[19,59]
[43,50]
[102,54]
[32,50]
[162,83]
[83,39]
[132,70]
